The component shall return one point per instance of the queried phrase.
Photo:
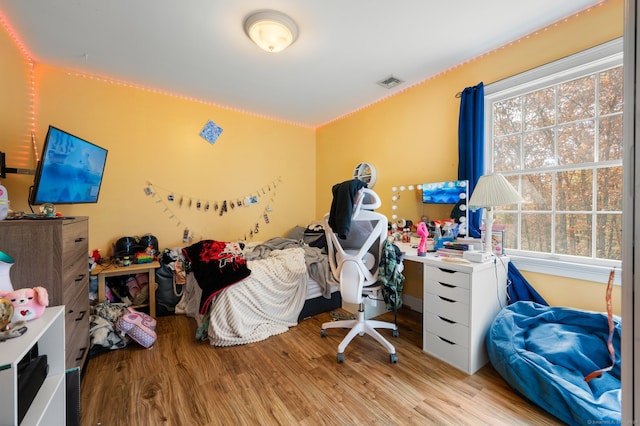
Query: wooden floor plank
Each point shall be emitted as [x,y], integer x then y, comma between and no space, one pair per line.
[293,378]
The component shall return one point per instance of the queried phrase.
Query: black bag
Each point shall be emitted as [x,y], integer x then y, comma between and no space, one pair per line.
[126,246]
[148,241]
[167,293]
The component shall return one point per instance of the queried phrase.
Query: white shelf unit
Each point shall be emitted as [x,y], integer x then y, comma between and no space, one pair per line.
[49,405]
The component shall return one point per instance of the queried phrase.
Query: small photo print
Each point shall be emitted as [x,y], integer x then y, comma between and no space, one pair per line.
[497,239]
[496,242]
[252,199]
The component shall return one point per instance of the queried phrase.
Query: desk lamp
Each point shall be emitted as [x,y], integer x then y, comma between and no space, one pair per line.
[491,191]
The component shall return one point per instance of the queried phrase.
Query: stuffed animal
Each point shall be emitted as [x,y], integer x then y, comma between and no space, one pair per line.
[28,303]
[424,233]
[6,313]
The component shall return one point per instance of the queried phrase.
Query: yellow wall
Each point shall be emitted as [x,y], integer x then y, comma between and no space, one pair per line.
[411,138]
[155,137]
[15,87]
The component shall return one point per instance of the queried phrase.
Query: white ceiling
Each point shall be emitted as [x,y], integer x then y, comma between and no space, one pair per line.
[198,48]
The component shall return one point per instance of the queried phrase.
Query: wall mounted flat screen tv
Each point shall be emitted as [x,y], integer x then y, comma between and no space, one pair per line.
[450,192]
[70,171]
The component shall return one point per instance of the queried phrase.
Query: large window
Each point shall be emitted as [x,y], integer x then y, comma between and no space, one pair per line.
[556,134]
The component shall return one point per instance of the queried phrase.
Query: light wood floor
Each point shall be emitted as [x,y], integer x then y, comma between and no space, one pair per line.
[293,379]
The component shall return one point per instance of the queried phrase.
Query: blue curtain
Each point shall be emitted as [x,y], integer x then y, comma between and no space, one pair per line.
[471,146]
[518,288]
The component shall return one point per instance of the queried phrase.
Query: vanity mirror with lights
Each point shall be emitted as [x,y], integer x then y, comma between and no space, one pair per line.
[431,201]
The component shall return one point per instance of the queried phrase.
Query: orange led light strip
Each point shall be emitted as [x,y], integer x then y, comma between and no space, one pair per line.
[30,64]
[490,52]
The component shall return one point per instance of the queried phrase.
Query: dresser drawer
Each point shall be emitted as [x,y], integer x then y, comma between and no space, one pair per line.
[75,244]
[446,308]
[448,291]
[447,329]
[76,322]
[77,347]
[448,351]
[76,280]
[456,278]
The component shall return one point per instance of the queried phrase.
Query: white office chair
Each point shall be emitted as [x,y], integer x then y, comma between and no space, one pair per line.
[354,263]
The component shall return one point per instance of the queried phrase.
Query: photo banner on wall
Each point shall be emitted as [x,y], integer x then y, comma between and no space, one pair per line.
[174,202]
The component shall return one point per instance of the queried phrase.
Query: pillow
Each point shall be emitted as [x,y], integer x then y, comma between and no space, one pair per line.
[297,233]
[138,326]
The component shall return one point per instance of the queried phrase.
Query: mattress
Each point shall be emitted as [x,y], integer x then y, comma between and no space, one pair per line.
[315,303]
[314,290]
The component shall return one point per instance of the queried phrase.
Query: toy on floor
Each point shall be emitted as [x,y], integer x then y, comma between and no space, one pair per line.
[138,326]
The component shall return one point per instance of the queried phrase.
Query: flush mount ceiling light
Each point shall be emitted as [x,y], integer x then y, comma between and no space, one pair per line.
[271,30]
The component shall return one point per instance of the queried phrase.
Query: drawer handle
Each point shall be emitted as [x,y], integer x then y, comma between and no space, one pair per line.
[79,240]
[447,300]
[82,351]
[449,271]
[81,315]
[446,341]
[446,320]
[80,277]
[446,285]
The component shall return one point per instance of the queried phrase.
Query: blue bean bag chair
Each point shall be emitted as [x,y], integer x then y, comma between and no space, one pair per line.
[545,353]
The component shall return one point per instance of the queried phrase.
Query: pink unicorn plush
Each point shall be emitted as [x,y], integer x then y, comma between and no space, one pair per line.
[28,303]
[423,231]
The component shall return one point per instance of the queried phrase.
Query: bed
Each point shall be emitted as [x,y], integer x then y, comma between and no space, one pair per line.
[565,360]
[288,281]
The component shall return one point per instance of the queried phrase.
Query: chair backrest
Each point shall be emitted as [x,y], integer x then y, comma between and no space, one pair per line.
[354,261]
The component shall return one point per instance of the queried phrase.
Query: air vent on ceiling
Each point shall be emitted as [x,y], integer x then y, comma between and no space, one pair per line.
[389,82]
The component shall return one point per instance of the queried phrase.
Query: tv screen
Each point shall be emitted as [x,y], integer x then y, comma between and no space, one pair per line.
[70,171]
[445,192]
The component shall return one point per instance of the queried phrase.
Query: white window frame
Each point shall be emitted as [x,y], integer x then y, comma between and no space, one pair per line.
[598,58]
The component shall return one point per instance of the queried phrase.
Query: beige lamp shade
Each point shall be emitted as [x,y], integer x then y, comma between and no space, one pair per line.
[493,190]
[271,30]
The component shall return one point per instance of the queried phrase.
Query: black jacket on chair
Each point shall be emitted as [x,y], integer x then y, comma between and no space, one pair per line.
[344,195]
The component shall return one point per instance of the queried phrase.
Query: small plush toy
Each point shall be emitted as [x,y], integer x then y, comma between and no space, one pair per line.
[6,313]
[28,303]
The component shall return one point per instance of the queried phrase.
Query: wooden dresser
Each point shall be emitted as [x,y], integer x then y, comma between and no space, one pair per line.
[54,253]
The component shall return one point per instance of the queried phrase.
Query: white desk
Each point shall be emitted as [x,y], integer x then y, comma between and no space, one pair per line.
[460,300]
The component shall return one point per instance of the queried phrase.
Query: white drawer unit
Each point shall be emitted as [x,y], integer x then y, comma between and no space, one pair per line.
[460,301]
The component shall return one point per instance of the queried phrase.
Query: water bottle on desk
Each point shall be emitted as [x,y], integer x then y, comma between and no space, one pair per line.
[437,236]
[447,235]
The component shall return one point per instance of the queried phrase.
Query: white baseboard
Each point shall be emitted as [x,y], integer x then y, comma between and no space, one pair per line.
[412,303]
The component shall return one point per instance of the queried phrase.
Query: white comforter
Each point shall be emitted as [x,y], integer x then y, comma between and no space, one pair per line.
[264,304]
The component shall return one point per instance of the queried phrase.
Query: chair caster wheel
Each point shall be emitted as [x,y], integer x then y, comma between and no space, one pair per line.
[396,333]
[393,358]
[340,358]
[323,333]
